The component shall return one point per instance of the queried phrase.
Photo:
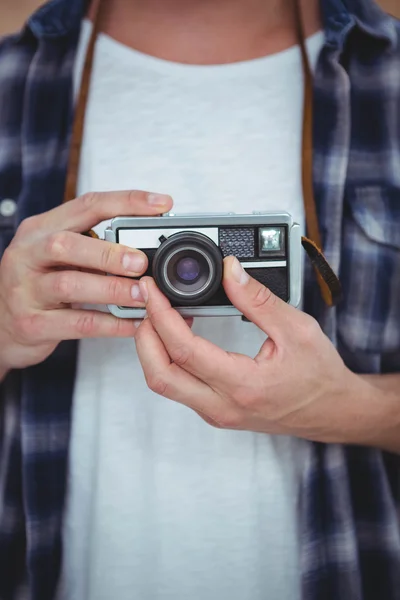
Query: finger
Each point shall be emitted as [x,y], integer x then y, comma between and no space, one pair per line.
[77,287]
[194,354]
[72,324]
[258,304]
[89,210]
[75,250]
[208,420]
[168,379]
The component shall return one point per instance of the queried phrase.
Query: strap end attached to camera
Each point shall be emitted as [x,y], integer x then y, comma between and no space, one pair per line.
[329,284]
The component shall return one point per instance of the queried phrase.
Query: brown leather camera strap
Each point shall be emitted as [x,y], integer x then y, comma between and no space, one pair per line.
[71,185]
[328,282]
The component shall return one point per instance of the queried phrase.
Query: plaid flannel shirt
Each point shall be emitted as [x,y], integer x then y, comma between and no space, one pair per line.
[350,533]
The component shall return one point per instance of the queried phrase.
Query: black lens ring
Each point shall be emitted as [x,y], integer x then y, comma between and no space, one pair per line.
[194,240]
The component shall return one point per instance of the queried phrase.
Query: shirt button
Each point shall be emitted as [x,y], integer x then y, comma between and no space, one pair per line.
[8,207]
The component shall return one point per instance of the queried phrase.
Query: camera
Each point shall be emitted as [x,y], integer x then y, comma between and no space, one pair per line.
[186,252]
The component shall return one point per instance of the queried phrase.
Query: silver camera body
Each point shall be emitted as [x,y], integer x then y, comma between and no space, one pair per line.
[186,253]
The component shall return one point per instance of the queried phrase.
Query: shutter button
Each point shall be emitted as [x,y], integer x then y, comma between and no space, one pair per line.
[8,207]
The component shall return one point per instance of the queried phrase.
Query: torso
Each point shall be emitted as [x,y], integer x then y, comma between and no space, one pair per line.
[161,505]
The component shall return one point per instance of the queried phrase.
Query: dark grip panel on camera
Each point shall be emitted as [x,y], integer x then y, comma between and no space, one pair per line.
[276,279]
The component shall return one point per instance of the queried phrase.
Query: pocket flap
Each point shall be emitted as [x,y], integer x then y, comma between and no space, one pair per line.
[377,211]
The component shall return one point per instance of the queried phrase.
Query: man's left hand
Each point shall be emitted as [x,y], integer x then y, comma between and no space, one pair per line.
[296,385]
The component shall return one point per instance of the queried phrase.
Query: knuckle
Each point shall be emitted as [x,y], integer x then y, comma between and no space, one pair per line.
[86,324]
[13,285]
[263,297]
[308,330]
[157,383]
[15,299]
[229,419]
[88,200]
[27,226]
[8,260]
[116,327]
[181,355]
[246,398]
[209,420]
[64,286]
[135,196]
[116,289]
[108,257]
[58,245]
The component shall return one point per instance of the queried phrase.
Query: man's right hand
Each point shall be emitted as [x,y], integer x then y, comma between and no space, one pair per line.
[49,266]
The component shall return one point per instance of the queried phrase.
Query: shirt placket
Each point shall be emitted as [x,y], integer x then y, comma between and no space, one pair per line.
[332,135]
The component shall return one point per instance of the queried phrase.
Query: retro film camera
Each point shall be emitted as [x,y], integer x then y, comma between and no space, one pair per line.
[185,254]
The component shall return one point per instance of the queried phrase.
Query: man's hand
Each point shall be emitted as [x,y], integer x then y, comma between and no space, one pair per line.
[50,266]
[297,384]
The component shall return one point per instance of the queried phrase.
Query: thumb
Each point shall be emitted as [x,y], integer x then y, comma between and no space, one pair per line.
[258,304]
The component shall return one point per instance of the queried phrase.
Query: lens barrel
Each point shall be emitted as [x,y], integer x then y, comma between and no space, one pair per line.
[187,268]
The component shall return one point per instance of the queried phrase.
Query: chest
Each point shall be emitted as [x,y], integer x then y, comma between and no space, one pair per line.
[218,139]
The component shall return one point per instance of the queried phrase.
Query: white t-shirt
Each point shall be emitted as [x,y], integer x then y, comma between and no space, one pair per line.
[160,504]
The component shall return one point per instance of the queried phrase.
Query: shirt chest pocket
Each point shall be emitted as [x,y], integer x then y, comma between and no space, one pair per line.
[369,316]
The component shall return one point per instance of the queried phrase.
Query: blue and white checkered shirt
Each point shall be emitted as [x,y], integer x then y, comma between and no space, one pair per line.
[350,537]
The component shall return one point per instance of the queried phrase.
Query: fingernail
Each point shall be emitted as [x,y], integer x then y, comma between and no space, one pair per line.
[144,290]
[137,324]
[135,263]
[136,293]
[238,273]
[158,199]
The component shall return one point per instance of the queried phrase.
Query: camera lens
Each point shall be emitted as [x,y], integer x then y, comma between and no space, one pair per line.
[187,268]
[188,271]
